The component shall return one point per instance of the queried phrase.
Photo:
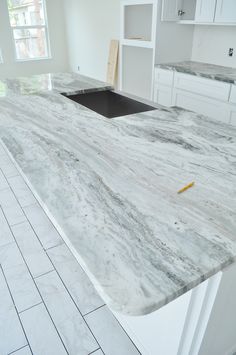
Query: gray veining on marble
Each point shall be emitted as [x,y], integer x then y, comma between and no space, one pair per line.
[54,82]
[205,70]
[112,187]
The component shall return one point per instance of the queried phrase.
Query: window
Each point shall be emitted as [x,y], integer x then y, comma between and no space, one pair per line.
[29,28]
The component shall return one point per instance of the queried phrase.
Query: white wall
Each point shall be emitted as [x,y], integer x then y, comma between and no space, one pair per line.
[59,61]
[91,24]
[174,42]
[211,44]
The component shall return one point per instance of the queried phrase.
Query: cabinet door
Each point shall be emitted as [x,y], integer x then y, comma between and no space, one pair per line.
[225,11]
[162,95]
[202,105]
[170,10]
[233,116]
[205,10]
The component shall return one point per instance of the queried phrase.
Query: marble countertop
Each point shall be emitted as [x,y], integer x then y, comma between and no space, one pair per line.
[205,70]
[112,185]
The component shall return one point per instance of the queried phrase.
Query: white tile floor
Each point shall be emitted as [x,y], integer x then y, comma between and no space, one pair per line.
[48,305]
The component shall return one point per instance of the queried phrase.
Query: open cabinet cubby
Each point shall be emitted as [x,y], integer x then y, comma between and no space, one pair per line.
[138,22]
[137,46]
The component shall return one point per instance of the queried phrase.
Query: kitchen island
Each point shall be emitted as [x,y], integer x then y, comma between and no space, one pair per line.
[111,188]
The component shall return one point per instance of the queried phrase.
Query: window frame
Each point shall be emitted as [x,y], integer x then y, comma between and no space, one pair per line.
[28,27]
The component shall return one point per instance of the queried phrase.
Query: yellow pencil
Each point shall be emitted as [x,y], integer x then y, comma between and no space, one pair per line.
[186,187]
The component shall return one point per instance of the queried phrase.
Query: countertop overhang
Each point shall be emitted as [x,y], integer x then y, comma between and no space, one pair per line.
[112,185]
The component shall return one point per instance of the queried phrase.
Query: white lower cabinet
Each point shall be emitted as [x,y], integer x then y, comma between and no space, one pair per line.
[207,97]
[233,116]
[163,87]
[201,104]
[163,95]
[205,87]
[232,98]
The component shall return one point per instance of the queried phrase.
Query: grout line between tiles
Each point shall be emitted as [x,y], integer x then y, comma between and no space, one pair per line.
[38,291]
[63,242]
[94,310]
[95,351]
[75,303]
[27,220]
[46,273]
[37,198]
[13,352]
[27,309]
[55,246]
[16,309]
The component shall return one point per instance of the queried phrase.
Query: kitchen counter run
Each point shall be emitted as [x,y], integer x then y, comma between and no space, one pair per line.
[112,185]
[205,70]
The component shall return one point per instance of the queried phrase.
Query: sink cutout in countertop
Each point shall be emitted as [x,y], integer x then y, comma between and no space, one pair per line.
[110,104]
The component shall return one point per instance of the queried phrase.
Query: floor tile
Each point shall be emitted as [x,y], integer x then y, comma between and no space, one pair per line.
[3,181]
[43,227]
[70,324]
[24,351]
[23,194]
[34,254]
[11,208]
[11,333]
[21,284]
[7,166]
[75,279]
[41,333]
[6,236]
[110,335]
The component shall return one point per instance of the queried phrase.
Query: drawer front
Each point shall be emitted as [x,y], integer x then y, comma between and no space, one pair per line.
[164,77]
[233,94]
[163,95]
[202,105]
[205,87]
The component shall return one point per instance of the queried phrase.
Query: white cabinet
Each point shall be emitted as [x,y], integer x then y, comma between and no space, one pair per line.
[201,104]
[225,11]
[233,116]
[206,87]
[163,83]
[205,10]
[137,46]
[163,95]
[199,11]
[232,98]
[170,9]
[175,10]
[211,98]
[164,77]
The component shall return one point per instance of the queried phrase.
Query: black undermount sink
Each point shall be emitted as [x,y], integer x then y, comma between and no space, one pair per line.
[109,104]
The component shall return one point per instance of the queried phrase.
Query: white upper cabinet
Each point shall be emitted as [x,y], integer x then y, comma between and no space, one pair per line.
[225,11]
[199,11]
[170,10]
[178,10]
[205,10]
